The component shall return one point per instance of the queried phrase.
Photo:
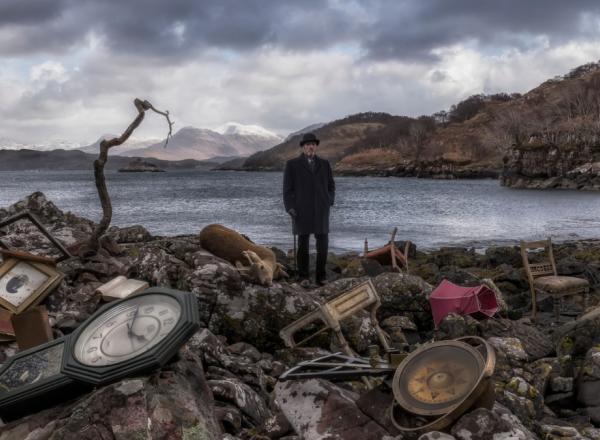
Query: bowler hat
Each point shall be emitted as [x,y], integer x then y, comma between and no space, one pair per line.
[309,138]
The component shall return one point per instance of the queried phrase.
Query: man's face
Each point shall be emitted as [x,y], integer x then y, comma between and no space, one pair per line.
[310,149]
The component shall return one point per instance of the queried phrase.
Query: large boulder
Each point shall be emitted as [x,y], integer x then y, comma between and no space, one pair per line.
[536,344]
[319,410]
[511,361]
[589,379]
[66,227]
[175,403]
[576,337]
[483,424]
[257,313]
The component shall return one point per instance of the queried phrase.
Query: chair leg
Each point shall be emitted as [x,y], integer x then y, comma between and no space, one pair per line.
[533,306]
[557,304]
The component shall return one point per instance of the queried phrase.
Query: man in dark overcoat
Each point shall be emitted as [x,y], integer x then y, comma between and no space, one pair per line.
[308,193]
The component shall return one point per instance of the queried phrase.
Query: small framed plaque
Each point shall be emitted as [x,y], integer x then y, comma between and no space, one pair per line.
[25,283]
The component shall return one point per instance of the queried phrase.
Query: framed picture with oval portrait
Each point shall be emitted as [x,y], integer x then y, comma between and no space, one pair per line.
[25,283]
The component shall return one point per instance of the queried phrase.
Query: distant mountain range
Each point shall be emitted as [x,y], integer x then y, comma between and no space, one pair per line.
[229,141]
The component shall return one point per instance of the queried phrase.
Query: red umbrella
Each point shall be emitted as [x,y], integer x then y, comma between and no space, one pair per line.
[478,301]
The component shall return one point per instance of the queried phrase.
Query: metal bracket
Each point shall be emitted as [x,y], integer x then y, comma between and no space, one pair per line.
[337,367]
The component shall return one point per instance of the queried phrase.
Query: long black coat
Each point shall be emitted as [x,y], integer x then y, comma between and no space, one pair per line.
[311,194]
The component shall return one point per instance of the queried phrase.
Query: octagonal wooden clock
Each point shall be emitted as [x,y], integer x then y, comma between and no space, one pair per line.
[125,337]
[132,335]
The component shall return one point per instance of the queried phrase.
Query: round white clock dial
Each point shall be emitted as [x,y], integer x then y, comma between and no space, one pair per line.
[127,330]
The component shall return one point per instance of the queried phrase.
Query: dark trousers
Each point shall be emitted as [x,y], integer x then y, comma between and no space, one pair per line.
[322,245]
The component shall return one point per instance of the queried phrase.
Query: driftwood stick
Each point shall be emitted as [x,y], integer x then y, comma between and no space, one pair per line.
[105,145]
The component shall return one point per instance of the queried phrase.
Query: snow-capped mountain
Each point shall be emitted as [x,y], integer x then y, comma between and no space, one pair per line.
[229,140]
[232,128]
[201,143]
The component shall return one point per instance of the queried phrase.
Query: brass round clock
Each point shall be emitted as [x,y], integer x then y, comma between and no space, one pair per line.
[437,376]
[137,333]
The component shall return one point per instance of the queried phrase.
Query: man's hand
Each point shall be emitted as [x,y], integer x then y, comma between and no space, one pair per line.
[292,212]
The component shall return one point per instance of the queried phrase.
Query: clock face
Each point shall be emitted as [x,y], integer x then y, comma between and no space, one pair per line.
[127,330]
[436,377]
[30,369]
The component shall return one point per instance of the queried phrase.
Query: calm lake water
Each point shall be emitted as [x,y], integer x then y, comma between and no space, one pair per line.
[431,213]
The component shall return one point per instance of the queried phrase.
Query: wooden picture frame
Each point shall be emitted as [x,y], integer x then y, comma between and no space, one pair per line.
[40,288]
[64,253]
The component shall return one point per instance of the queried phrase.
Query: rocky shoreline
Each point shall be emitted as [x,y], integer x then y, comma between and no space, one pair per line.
[537,165]
[224,382]
[438,169]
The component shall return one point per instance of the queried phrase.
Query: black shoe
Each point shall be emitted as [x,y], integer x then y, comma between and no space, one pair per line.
[305,283]
[321,281]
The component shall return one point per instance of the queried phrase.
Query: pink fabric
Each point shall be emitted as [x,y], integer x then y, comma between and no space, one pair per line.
[479,301]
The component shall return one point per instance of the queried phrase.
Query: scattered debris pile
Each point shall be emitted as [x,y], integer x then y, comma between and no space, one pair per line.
[224,384]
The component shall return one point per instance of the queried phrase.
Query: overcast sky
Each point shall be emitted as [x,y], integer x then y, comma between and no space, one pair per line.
[69,69]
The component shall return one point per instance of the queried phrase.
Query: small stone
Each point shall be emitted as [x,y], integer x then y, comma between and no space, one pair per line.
[561,384]
[555,431]
[436,435]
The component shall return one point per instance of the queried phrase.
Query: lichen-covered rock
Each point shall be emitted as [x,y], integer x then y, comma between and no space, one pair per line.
[576,337]
[455,326]
[223,364]
[483,424]
[522,399]
[68,228]
[555,432]
[276,426]
[510,355]
[588,382]
[319,410]
[243,397]
[561,384]
[160,268]
[130,234]
[591,432]
[257,314]
[407,295]
[536,344]
[174,403]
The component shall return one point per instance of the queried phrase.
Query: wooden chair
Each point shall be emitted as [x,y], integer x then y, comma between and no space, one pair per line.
[330,314]
[543,278]
[389,254]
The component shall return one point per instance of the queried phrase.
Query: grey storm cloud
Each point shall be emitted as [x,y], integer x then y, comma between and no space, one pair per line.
[383,29]
[407,29]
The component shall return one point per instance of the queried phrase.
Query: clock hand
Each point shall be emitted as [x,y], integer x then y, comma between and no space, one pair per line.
[130,326]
